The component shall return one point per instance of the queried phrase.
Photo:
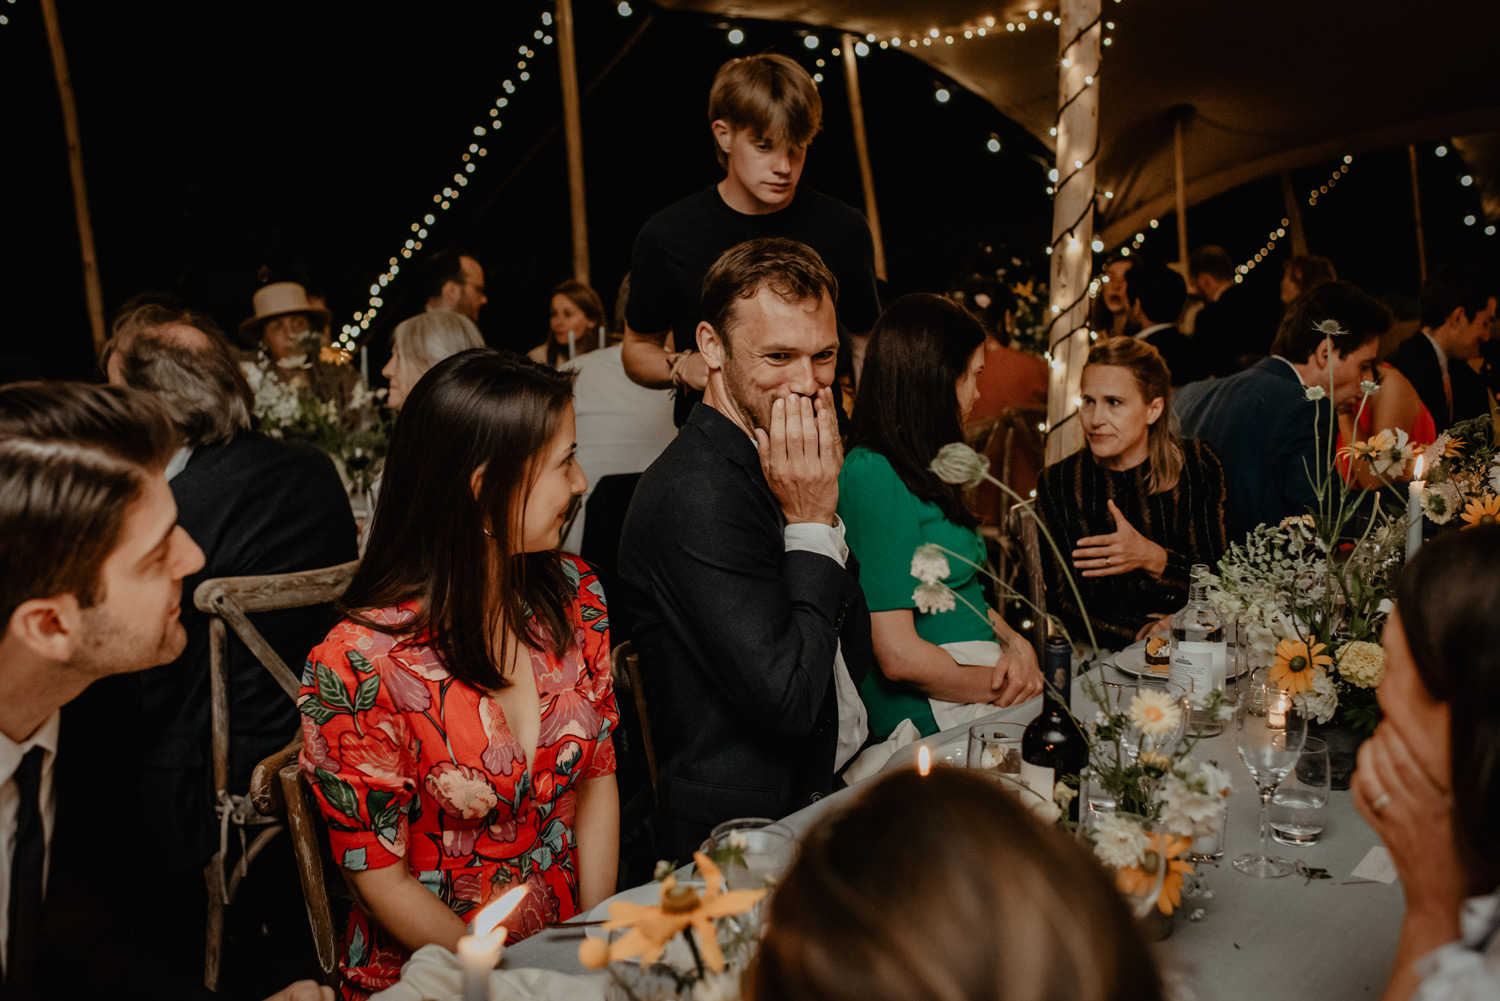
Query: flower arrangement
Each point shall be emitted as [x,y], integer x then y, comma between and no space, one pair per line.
[319,398]
[1463,475]
[717,946]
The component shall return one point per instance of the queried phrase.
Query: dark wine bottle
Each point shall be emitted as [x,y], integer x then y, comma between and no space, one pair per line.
[1052,748]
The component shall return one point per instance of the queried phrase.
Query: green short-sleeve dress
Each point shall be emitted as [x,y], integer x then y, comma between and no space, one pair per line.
[884,523]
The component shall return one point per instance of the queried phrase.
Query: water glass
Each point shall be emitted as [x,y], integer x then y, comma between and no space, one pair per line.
[1269,733]
[752,852]
[1297,810]
[1210,847]
[995,749]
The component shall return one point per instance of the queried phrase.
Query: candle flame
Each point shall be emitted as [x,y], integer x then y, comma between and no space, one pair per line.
[1420,465]
[488,919]
[924,760]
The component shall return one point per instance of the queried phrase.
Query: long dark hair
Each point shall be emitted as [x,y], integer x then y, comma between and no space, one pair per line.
[1448,598]
[479,409]
[908,393]
[592,308]
[1005,908]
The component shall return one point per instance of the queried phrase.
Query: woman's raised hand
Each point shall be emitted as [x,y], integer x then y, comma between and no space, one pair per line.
[1121,551]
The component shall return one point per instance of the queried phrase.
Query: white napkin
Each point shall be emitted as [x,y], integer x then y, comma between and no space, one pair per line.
[434,973]
[951,714]
[868,763]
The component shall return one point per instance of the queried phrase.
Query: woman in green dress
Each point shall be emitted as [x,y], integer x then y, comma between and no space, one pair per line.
[937,668]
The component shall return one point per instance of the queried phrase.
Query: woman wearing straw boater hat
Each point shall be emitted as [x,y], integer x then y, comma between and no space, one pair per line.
[284,321]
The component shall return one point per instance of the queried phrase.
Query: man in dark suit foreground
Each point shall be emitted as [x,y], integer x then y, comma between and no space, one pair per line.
[1457,311]
[750,622]
[91,568]
[1260,421]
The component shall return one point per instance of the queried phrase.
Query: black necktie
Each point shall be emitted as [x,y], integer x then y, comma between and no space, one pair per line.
[25,929]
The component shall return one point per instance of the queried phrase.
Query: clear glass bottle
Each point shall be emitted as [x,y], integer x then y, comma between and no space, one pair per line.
[1199,651]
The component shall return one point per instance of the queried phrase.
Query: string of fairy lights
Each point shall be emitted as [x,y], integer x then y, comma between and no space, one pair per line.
[422,228]
[1465,180]
[4,17]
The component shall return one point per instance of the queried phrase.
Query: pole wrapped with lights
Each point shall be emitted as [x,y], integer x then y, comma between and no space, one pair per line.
[452,189]
[1077,125]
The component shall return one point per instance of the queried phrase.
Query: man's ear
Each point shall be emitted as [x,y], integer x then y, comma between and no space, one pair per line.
[1457,318]
[711,346]
[453,293]
[51,628]
[722,131]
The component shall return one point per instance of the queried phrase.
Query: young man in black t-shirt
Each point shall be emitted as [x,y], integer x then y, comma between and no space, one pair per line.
[764,111]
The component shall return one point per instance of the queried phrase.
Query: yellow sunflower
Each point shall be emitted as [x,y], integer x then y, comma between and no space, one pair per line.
[1164,849]
[1483,510]
[681,907]
[1298,665]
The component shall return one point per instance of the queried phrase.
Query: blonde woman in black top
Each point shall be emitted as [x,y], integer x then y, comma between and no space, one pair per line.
[1136,508]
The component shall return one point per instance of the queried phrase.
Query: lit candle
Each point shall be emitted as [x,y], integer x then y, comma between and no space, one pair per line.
[603,337]
[924,760]
[479,951]
[1277,706]
[1414,509]
[364,365]
[572,351]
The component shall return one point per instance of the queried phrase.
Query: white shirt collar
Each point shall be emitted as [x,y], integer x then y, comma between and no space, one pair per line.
[1293,368]
[179,461]
[1151,330]
[1442,356]
[45,737]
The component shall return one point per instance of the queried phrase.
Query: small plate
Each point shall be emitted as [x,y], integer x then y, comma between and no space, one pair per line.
[1132,660]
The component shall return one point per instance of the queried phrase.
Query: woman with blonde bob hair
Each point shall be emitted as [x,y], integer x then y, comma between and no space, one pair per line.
[421,342]
[1135,509]
[945,887]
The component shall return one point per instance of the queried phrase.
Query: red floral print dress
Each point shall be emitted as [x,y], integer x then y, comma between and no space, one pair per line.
[411,765]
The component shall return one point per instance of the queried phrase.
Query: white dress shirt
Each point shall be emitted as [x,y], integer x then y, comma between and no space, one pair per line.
[854,722]
[178,461]
[11,754]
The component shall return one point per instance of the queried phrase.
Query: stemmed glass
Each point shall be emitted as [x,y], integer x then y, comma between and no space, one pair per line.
[1269,732]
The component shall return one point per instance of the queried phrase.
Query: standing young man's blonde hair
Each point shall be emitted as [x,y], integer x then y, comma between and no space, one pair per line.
[769,94]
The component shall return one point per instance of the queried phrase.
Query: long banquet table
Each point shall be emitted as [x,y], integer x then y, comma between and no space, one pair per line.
[1324,939]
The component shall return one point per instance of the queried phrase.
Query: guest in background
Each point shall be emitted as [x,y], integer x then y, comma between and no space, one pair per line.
[454,283]
[937,669]
[944,886]
[1156,296]
[1427,782]
[255,505]
[1135,509]
[1111,311]
[1260,421]
[763,112]
[749,617]
[92,565]
[1457,310]
[477,752]
[1301,273]
[575,325]
[286,324]
[1233,330]
[420,342]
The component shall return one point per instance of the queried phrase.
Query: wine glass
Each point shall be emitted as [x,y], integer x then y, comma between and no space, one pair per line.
[1162,722]
[1269,732]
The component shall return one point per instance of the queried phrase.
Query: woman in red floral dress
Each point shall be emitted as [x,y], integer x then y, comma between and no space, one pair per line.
[457,724]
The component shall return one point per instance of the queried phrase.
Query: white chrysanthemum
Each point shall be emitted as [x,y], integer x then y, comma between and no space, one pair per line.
[1495,474]
[1322,701]
[1394,453]
[1369,388]
[959,464]
[1440,502]
[931,598]
[1215,780]
[1154,712]
[1362,663]
[1119,842]
[929,565]
[1315,393]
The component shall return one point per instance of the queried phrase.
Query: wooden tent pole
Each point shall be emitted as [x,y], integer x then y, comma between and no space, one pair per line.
[1180,171]
[862,150]
[1072,220]
[1416,212]
[573,128]
[92,290]
[1293,215]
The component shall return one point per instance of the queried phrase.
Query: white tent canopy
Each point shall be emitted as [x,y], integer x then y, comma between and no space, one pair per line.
[1261,87]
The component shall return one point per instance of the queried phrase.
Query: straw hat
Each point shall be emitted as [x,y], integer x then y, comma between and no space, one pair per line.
[279,299]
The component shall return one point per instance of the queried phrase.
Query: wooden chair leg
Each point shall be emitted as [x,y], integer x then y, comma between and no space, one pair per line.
[308,847]
[213,938]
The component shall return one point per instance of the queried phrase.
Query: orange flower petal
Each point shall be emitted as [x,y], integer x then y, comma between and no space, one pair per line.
[708,943]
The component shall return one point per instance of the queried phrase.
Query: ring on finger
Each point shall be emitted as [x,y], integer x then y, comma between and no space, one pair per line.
[1381,802]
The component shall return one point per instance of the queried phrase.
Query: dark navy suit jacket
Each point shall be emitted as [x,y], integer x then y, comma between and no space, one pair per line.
[736,636]
[1261,425]
[1417,359]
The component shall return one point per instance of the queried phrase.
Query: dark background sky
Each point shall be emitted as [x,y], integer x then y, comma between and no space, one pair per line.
[306,138]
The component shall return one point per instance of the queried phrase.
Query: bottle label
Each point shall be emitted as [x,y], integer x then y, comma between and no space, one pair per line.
[1200,663]
[1039,780]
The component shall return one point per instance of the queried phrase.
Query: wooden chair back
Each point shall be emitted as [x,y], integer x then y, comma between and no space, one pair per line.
[625,668]
[1023,527]
[229,602]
